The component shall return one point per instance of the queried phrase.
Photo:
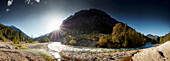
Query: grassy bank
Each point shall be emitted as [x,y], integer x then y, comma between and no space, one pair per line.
[24,46]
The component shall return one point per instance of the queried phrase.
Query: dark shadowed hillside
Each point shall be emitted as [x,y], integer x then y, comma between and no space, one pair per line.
[85,21]
[90,20]
[95,28]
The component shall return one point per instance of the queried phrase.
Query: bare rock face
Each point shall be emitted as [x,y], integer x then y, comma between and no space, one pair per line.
[160,53]
[8,53]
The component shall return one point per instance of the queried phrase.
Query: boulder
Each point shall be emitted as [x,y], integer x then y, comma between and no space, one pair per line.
[160,53]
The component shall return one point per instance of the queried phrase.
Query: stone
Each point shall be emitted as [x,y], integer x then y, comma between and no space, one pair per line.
[159,53]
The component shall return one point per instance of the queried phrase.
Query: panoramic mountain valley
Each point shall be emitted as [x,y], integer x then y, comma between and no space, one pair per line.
[84,30]
[96,37]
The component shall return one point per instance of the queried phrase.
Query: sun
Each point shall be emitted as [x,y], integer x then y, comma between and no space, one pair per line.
[54,24]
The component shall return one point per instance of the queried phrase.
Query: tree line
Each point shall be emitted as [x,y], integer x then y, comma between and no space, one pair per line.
[165,38]
[122,36]
[8,34]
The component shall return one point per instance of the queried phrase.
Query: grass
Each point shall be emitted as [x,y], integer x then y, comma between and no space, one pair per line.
[24,47]
[48,58]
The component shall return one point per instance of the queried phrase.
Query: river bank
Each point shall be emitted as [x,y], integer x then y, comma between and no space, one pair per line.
[68,52]
[9,52]
[90,56]
[61,52]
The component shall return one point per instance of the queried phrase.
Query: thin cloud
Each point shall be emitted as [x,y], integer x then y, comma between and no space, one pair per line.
[7,10]
[9,2]
[37,1]
[31,1]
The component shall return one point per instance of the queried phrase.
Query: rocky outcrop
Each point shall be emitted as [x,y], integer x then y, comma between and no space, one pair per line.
[8,53]
[160,53]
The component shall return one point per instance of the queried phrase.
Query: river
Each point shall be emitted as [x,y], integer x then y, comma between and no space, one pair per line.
[56,47]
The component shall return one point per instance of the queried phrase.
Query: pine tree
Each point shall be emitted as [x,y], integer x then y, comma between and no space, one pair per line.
[15,40]
[30,40]
[125,28]
[0,32]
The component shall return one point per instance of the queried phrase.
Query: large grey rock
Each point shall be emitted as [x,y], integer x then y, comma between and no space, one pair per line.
[160,53]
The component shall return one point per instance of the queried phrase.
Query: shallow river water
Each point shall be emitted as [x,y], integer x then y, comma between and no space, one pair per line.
[56,47]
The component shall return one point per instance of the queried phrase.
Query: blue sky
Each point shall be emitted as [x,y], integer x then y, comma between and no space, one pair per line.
[39,18]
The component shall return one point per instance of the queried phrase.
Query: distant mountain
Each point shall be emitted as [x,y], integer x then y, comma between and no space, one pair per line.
[85,21]
[153,38]
[17,29]
[55,35]
[44,35]
[95,28]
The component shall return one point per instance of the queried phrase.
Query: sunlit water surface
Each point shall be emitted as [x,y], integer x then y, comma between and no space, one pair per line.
[56,47]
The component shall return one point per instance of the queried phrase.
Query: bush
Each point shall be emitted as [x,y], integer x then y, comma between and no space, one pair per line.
[44,39]
[72,42]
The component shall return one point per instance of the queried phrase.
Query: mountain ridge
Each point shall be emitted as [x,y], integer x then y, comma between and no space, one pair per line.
[17,29]
[95,28]
[92,19]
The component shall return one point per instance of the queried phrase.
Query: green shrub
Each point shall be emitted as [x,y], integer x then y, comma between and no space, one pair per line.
[48,58]
[44,39]
[72,42]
